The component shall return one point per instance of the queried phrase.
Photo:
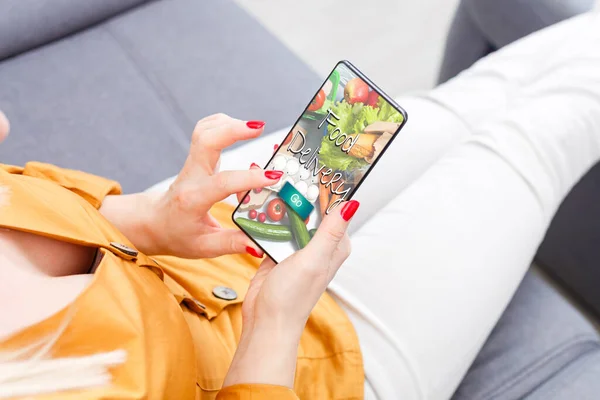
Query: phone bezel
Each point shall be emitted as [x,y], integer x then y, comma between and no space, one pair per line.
[373,87]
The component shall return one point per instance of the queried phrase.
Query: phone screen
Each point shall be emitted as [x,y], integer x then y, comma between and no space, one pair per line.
[328,153]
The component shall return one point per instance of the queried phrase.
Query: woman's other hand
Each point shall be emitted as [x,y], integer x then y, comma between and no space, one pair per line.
[178,222]
[280,299]
[186,227]
[4,127]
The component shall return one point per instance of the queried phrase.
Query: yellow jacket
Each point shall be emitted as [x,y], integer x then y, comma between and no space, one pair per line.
[179,336]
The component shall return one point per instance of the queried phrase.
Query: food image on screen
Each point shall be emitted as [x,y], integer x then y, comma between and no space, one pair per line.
[324,157]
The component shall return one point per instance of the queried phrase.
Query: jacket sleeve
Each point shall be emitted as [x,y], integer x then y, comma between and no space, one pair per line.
[256,392]
[91,187]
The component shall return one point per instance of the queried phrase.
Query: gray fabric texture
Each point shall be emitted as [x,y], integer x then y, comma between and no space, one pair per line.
[465,44]
[538,335]
[482,26]
[25,24]
[578,381]
[121,98]
[80,103]
[215,58]
[503,22]
[570,252]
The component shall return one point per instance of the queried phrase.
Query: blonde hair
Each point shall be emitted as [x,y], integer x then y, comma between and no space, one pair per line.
[31,370]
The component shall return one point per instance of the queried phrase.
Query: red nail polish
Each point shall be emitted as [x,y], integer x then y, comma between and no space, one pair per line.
[254,165]
[349,209]
[252,252]
[255,124]
[273,174]
[275,147]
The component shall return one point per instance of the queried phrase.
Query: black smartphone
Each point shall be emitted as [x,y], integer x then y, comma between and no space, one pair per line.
[331,149]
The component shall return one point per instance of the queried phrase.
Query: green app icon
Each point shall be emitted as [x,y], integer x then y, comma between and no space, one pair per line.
[295,200]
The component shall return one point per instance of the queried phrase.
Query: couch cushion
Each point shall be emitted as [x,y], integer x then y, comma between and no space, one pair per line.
[570,252]
[25,24]
[81,103]
[121,99]
[577,381]
[207,57]
[538,336]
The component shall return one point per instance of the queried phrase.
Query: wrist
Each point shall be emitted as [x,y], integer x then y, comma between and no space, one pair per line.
[135,216]
[265,355]
[151,226]
[279,335]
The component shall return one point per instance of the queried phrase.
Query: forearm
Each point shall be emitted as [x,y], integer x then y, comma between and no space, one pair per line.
[133,215]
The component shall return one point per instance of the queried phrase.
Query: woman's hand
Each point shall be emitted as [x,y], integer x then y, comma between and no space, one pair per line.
[4,126]
[280,299]
[178,222]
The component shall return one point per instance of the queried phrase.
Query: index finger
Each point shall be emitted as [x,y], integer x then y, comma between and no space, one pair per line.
[215,133]
[220,131]
[225,183]
[240,195]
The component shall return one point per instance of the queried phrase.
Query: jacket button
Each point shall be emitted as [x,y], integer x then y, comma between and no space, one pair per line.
[124,249]
[224,293]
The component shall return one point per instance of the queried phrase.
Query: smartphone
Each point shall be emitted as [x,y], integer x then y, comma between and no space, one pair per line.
[332,147]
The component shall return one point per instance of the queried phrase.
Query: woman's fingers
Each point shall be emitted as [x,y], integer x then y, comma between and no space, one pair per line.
[217,132]
[330,240]
[226,183]
[241,195]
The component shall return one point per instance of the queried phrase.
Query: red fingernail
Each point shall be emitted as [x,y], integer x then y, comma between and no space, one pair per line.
[253,252]
[273,174]
[349,209]
[275,147]
[255,124]
[254,165]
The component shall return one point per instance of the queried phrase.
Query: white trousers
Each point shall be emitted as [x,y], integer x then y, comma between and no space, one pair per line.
[453,213]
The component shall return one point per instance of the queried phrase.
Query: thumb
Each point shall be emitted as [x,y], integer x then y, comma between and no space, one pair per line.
[333,228]
[228,241]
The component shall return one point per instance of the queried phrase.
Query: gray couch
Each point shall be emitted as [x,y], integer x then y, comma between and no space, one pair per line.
[115,87]
[88,85]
